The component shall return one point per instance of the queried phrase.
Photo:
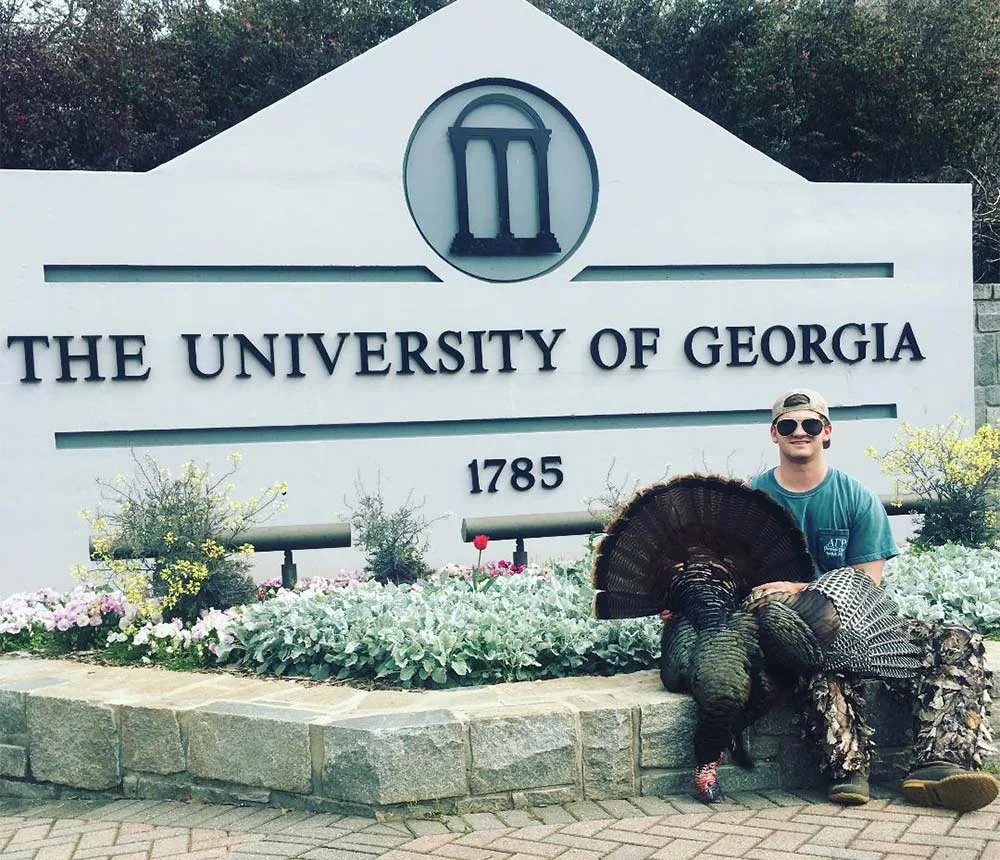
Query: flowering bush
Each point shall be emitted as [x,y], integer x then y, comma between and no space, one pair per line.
[50,623]
[956,476]
[272,587]
[948,583]
[479,576]
[172,539]
[172,645]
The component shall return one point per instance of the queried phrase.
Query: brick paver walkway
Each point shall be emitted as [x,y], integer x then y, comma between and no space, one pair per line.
[763,826]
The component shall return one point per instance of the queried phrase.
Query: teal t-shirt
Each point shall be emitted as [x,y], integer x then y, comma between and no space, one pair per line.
[844,522]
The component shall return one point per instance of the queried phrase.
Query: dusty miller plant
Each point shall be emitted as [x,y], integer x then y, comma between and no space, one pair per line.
[170,542]
[394,541]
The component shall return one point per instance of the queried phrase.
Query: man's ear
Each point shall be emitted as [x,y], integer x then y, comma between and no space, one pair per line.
[827,433]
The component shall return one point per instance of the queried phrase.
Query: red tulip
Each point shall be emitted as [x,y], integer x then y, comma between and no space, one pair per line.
[480,542]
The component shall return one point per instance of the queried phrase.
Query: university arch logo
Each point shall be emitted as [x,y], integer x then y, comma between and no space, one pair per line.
[501,180]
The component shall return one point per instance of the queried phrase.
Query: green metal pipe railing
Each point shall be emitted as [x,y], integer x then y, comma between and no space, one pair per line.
[521,527]
[283,539]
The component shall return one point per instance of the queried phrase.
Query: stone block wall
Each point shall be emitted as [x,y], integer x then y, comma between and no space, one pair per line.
[68,728]
[986,339]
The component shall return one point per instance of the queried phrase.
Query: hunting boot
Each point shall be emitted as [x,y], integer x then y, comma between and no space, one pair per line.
[851,790]
[834,720]
[952,727]
[941,783]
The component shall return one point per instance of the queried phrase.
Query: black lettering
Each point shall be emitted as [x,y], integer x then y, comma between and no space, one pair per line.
[293,354]
[736,346]
[367,351]
[452,351]
[546,348]
[122,357]
[641,347]
[28,342]
[414,353]
[620,345]
[907,340]
[813,336]
[265,361]
[477,352]
[505,335]
[192,347]
[331,363]
[66,358]
[879,341]
[765,344]
[860,346]
[714,349]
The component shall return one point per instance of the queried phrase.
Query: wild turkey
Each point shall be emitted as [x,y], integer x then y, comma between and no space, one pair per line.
[700,546]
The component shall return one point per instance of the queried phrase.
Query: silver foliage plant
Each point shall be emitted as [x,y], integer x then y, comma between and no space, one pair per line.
[948,583]
[442,634]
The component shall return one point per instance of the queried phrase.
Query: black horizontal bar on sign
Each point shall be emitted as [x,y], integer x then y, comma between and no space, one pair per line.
[738,272]
[593,522]
[128,274]
[171,436]
[265,539]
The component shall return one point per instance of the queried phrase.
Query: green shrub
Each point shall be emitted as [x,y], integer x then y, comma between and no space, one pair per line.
[956,477]
[394,542]
[173,538]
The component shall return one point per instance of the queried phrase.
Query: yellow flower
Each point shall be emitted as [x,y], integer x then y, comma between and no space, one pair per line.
[211,549]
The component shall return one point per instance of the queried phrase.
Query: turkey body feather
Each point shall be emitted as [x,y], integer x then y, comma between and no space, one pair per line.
[701,546]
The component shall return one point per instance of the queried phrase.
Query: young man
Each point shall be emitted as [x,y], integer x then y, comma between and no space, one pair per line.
[846,525]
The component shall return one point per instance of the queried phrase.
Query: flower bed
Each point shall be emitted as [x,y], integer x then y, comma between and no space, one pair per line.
[456,627]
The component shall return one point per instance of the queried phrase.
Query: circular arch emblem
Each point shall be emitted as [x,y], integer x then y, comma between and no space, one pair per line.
[500,180]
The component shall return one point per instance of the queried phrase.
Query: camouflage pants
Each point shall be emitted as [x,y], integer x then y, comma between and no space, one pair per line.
[950,700]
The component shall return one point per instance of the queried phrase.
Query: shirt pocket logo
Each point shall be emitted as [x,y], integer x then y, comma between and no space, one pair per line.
[833,543]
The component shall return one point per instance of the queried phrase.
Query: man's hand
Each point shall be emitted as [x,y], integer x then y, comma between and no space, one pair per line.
[771,587]
[760,594]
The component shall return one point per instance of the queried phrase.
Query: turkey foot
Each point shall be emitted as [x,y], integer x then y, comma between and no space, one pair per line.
[706,782]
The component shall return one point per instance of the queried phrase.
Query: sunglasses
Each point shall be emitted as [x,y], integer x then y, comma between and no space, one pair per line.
[786,426]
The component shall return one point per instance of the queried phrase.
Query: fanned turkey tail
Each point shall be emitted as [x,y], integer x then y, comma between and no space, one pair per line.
[654,537]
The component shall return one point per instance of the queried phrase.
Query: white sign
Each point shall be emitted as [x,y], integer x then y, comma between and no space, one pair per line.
[298,290]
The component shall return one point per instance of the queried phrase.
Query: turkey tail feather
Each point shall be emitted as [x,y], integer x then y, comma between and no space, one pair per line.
[872,641]
[656,533]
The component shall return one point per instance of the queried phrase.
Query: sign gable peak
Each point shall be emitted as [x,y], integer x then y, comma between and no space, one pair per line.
[354,122]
